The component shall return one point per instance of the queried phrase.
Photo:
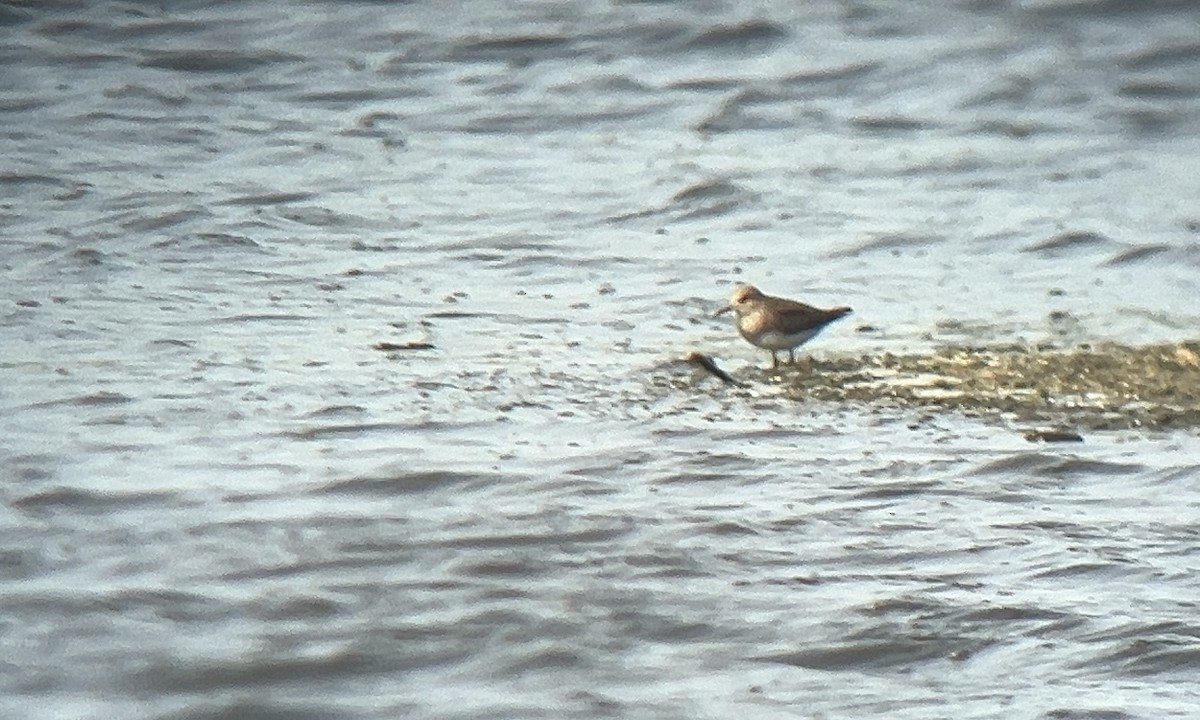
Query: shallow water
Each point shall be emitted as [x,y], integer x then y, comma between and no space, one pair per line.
[221,499]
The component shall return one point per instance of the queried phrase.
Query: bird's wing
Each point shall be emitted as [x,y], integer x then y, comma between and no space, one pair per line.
[797,314]
[797,310]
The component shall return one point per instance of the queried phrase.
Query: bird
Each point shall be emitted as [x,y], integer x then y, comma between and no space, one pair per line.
[775,323]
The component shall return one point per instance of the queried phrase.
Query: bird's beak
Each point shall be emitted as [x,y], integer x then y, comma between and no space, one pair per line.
[722,311]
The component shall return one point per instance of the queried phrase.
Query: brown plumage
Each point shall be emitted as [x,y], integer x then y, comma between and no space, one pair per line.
[774,323]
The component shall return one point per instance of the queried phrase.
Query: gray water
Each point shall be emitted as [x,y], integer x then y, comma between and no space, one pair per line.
[220,499]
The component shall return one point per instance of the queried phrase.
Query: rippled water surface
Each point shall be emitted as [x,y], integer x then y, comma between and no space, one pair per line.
[339,359]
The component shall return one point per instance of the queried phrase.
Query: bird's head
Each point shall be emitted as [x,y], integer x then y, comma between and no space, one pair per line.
[742,296]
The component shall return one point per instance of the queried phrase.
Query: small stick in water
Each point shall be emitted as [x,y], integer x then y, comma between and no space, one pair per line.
[706,362]
[1053,435]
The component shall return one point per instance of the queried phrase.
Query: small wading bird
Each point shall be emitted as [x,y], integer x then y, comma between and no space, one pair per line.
[776,324]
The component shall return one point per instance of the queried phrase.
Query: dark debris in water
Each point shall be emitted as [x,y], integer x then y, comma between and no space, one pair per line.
[705,362]
[405,346]
[1053,435]
[1093,387]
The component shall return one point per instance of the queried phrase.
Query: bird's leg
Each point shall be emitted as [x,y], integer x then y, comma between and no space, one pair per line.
[774,361]
[791,356]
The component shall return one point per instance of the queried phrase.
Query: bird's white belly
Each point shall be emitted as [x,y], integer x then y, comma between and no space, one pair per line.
[775,340]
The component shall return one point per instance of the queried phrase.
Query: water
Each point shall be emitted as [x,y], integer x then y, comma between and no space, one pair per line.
[221,500]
